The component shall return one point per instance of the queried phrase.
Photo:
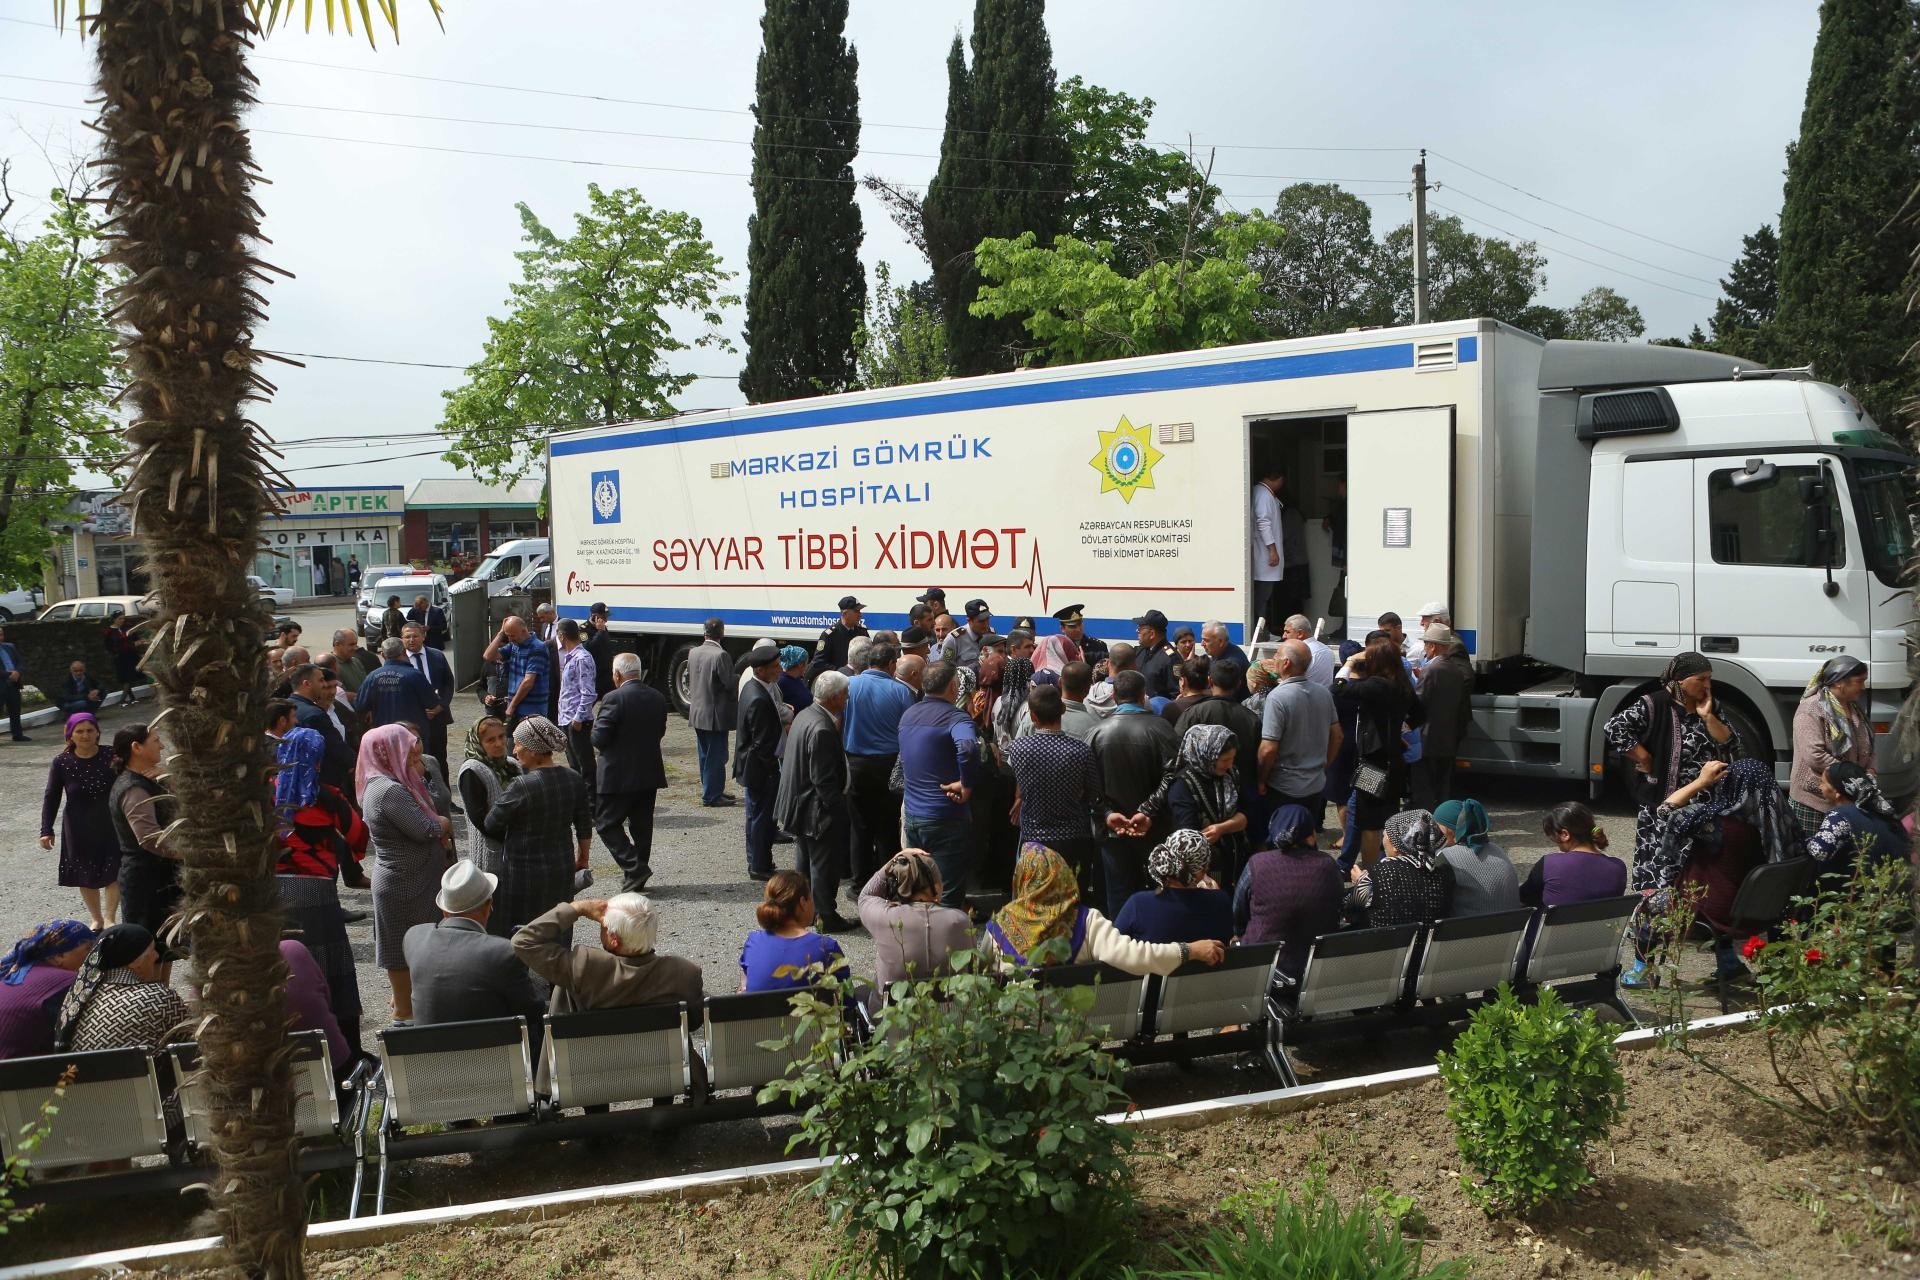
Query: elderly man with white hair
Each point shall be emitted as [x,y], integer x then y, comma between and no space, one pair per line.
[1324,661]
[812,804]
[1413,646]
[623,970]
[1213,639]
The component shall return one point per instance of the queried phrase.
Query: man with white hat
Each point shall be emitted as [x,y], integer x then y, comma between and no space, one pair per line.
[1433,611]
[460,971]
[1446,696]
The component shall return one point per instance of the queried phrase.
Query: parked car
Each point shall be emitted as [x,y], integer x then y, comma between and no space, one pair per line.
[282,597]
[370,578]
[505,563]
[534,587]
[21,603]
[99,608]
[406,586]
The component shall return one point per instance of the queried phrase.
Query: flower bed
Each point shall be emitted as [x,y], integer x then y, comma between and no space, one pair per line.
[1699,1180]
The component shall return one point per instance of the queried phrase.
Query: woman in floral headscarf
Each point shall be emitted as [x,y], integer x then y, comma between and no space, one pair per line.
[1201,793]
[1044,924]
[34,976]
[1411,883]
[1185,905]
[1830,727]
[82,776]
[1861,829]
[321,839]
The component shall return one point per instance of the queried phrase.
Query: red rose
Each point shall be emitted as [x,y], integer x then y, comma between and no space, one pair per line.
[1814,955]
[1752,947]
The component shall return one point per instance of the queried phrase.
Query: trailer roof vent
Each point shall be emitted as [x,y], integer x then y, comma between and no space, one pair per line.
[718,470]
[1432,357]
[1176,433]
[1644,411]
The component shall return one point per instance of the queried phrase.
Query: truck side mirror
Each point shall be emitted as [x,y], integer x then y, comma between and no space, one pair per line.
[1758,471]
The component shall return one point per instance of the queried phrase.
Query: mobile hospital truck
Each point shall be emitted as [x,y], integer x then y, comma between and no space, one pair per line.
[1587,510]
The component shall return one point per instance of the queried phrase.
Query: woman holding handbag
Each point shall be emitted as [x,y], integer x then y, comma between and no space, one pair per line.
[1375,687]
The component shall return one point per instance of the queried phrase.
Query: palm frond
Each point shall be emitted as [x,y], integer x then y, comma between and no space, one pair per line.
[272,13]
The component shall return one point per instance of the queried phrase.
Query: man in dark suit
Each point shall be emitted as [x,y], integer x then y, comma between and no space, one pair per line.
[461,972]
[599,643]
[756,758]
[432,664]
[433,621]
[812,804]
[13,678]
[312,690]
[79,691]
[627,730]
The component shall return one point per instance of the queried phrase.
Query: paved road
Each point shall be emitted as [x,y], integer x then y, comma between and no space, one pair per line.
[700,887]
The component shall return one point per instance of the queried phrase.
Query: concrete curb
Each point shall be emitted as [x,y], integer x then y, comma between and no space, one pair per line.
[44,716]
[360,1233]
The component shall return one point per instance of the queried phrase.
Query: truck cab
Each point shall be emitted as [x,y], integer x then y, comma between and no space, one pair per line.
[1756,516]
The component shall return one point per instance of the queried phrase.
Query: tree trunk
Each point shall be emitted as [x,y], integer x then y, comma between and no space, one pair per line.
[178,168]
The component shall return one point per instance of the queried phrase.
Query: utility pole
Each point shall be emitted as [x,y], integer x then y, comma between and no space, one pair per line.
[1420,239]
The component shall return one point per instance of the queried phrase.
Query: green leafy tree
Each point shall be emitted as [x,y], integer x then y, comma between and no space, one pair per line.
[1142,200]
[1602,315]
[1005,169]
[1847,238]
[806,290]
[1322,274]
[588,332]
[56,352]
[1077,306]
[1743,318]
[902,339]
[1467,275]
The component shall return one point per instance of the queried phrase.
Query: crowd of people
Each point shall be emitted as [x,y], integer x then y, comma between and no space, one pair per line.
[1035,798]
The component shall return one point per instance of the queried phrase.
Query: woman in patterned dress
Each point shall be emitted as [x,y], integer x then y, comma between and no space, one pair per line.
[411,842]
[1411,883]
[544,821]
[82,777]
[1861,828]
[1668,735]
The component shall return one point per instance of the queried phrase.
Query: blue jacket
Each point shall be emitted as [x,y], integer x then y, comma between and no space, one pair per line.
[937,745]
[394,693]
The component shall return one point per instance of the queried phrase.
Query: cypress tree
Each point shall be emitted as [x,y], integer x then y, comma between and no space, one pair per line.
[1846,239]
[1750,298]
[806,291]
[1005,168]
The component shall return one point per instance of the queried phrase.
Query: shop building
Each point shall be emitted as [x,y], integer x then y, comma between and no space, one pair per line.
[309,545]
[451,524]
[97,554]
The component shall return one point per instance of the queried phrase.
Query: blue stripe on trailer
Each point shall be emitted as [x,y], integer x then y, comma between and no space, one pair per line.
[1315,364]
[809,620]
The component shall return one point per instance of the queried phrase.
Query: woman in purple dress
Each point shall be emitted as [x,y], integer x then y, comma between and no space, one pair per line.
[82,776]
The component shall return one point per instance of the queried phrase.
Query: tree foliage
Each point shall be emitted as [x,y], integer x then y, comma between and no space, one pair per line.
[56,351]
[806,290]
[1847,237]
[1743,318]
[1077,305]
[1321,274]
[902,339]
[589,331]
[1142,200]
[1601,315]
[1468,275]
[1005,169]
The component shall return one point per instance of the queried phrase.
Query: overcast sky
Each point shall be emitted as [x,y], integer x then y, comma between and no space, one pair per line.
[1669,121]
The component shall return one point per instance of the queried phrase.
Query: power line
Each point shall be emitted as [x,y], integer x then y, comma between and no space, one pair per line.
[1521,235]
[706,110]
[1533,222]
[1710,257]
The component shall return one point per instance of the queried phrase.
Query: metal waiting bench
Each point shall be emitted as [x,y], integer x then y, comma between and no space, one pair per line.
[113,1111]
[1183,1015]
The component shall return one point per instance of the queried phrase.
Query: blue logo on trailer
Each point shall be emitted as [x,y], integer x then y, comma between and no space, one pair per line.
[606,497]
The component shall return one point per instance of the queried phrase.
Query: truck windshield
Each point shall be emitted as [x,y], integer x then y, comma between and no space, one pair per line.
[1887,498]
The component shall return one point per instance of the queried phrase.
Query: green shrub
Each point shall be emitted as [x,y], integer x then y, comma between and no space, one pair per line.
[13,1173]
[1529,1087]
[967,1127]
[1276,1236]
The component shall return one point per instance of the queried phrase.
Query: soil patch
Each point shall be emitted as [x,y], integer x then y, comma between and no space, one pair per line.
[1699,1181]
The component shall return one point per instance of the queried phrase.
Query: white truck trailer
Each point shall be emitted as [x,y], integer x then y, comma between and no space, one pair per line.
[1587,510]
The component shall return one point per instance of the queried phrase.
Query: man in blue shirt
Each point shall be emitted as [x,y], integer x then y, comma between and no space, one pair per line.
[529,670]
[939,758]
[12,677]
[875,703]
[395,693]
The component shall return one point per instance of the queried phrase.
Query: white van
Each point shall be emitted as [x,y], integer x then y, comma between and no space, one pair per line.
[503,564]
[406,586]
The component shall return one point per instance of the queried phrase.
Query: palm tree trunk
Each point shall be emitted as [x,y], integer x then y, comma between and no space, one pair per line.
[178,168]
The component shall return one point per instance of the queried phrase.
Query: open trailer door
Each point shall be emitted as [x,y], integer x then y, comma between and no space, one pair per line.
[1399,513]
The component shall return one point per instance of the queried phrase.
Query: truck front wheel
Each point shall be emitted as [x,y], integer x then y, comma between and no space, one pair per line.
[679,682]
[1755,742]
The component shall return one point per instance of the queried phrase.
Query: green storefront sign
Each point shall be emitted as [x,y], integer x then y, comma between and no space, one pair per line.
[342,502]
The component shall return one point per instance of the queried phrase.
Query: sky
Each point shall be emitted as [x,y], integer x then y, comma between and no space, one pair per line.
[1635,142]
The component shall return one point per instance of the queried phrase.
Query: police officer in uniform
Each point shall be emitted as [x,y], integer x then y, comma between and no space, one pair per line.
[936,601]
[832,653]
[1073,627]
[1156,655]
[962,646]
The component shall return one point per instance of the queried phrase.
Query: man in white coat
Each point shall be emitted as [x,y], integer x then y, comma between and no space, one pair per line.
[1269,545]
